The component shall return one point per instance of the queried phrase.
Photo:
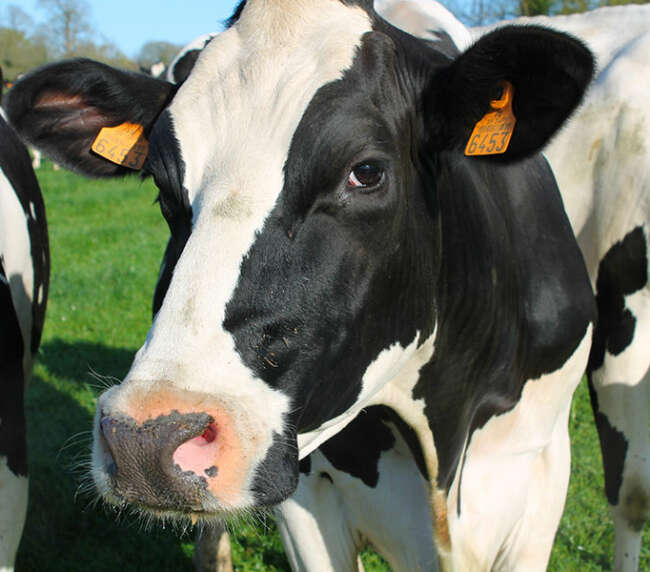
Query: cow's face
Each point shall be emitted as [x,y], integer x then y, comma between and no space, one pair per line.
[296,169]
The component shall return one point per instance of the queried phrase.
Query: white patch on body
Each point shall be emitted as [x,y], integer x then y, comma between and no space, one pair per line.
[13,508]
[517,467]
[351,514]
[15,252]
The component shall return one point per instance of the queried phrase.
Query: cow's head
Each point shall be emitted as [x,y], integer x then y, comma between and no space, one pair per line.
[299,170]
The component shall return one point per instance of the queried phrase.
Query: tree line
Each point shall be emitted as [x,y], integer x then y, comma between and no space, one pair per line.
[68,33]
[482,12]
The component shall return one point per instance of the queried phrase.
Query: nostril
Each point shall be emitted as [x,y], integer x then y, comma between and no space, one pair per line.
[199,454]
[210,434]
[109,465]
[109,462]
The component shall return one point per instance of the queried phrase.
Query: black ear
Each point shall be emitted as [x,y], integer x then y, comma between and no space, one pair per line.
[60,109]
[549,71]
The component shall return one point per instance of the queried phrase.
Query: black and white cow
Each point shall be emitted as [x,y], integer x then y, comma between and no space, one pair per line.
[333,248]
[24,280]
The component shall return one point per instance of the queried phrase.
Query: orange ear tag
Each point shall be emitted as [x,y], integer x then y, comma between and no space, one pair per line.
[492,134]
[123,145]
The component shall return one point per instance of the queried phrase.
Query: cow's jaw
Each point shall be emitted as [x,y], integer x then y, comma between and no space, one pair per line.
[248,92]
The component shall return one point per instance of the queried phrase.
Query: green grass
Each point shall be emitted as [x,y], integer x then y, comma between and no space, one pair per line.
[107,241]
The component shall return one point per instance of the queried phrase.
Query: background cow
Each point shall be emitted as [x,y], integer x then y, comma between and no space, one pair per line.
[333,248]
[24,282]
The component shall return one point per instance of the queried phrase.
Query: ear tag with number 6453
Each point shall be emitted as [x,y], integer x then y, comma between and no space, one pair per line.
[124,144]
[492,134]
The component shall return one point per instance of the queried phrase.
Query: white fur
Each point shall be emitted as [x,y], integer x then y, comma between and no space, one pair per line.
[423,18]
[325,525]
[13,509]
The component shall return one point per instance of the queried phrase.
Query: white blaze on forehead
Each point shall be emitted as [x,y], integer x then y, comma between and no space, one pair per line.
[234,119]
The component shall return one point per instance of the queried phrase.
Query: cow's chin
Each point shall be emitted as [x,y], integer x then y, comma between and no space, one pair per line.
[182,456]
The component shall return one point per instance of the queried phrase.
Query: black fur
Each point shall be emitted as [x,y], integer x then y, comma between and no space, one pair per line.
[17,168]
[13,442]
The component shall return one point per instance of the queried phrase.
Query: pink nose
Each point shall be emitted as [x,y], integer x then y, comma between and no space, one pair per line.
[164,462]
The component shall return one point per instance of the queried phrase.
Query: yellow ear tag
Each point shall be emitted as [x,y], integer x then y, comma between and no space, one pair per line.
[492,134]
[123,144]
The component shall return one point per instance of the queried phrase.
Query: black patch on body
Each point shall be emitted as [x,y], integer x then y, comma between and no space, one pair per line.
[17,167]
[13,443]
[622,272]
[613,445]
[356,449]
[305,465]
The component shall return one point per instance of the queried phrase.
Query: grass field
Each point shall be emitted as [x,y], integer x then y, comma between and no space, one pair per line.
[107,239]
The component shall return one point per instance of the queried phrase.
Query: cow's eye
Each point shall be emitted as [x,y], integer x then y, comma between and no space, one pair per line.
[366,176]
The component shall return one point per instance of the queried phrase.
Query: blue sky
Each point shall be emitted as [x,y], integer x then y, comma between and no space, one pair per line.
[131,23]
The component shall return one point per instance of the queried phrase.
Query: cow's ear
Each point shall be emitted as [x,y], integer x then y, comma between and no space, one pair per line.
[545,73]
[61,108]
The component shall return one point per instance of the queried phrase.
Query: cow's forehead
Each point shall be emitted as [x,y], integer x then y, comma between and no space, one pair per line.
[237,113]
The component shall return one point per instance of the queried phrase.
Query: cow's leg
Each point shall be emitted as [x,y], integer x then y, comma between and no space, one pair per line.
[314,527]
[13,443]
[13,509]
[619,380]
[212,549]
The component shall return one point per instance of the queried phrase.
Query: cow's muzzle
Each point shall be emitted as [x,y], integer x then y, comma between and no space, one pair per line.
[164,463]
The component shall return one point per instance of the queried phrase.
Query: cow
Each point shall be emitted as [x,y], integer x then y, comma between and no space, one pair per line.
[594,181]
[24,283]
[332,247]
